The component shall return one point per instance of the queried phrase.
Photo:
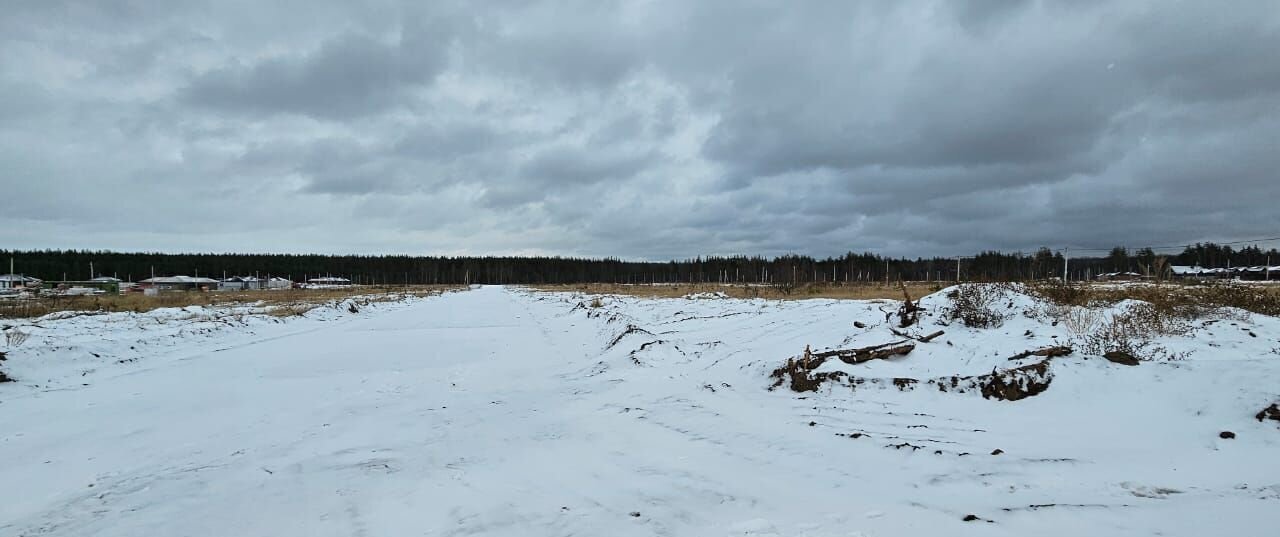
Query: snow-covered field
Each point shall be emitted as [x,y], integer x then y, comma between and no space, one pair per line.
[502,411]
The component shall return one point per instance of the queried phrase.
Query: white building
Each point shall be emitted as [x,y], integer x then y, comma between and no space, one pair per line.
[241,283]
[18,281]
[276,282]
[179,283]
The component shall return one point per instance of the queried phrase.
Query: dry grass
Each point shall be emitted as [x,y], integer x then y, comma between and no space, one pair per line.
[283,303]
[1184,300]
[777,292]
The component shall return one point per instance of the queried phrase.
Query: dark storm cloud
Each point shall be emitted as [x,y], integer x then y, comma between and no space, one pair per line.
[638,129]
[349,75]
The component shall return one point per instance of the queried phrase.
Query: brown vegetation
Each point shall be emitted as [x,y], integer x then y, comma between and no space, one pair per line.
[281,303]
[850,291]
[1191,300]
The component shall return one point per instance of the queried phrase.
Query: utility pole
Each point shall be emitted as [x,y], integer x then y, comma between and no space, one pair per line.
[1064,265]
[957,270]
[91,270]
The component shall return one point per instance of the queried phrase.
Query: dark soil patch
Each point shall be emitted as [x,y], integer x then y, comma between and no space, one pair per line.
[1005,385]
[1045,352]
[1121,357]
[1270,413]
[802,377]
[1226,435]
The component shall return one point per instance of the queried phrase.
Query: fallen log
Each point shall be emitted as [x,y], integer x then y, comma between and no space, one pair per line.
[930,337]
[924,339]
[1046,352]
[840,352]
[860,356]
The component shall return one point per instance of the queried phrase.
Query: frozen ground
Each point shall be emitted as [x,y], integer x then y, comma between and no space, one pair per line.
[500,411]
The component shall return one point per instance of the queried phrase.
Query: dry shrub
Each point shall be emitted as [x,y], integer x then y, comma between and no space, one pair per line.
[1186,301]
[1060,293]
[1133,331]
[1078,320]
[974,305]
[14,337]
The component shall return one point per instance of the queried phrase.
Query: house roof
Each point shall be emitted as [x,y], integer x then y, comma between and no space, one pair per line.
[329,279]
[106,279]
[18,278]
[179,279]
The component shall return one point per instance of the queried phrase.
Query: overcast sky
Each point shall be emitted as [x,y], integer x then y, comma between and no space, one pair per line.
[644,129]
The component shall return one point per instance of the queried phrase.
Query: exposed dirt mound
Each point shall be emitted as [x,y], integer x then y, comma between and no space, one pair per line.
[1017,383]
[5,378]
[1121,357]
[801,375]
[1005,385]
[1270,413]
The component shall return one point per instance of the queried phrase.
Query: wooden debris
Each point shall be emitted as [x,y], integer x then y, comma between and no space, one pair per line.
[930,337]
[1046,352]
[909,313]
[865,355]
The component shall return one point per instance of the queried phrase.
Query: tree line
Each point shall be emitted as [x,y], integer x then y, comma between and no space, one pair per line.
[74,265]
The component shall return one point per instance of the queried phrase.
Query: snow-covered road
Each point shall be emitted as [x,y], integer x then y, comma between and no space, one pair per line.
[506,412]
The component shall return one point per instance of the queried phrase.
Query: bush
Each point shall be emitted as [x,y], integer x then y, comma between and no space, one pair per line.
[1060,292]
[1133,332]
[972,304]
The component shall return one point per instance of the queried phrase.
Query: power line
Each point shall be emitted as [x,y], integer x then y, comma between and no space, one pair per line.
[1229,243]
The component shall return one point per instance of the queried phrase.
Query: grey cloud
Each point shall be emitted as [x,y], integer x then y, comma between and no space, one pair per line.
[347,76]
[639,129]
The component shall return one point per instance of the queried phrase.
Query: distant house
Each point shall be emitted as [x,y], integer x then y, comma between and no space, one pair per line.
[276,282]
[179,283]
[329,280]
[1261,272]
[18,281]
[106,279]
[241,283]
[1243,273]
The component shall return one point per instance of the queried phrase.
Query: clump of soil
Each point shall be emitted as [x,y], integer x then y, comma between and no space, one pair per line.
[1121,357]
[1270,413]
[1226,435]
[802,377]
[1017,383]
[5,378]
[1005,385]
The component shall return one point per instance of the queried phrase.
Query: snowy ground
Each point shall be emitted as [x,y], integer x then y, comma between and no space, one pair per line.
[501,411]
